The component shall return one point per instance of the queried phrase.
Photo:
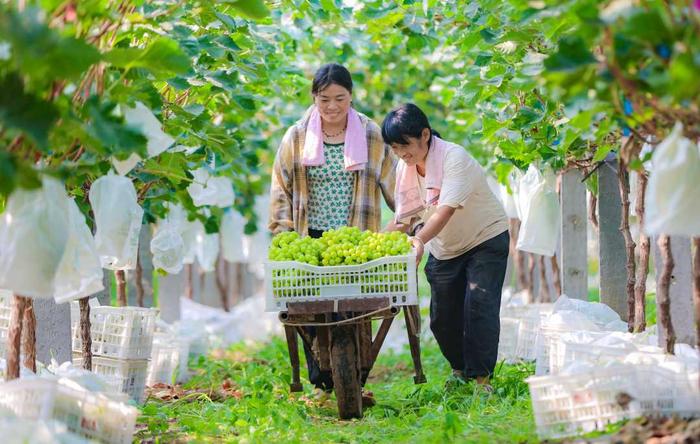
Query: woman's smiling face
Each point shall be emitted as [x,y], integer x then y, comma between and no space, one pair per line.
[415,150]
[333,103]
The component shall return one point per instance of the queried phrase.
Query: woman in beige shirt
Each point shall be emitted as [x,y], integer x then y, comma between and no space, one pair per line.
[465,230]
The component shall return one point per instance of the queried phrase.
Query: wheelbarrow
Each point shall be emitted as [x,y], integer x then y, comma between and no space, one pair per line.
[341,303]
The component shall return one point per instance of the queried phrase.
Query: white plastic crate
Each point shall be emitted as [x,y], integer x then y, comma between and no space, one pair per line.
[529,317]
[87,414]
[123,375]
[37,431]
[289,281]
[508,340]
[5,310]
[548,345]
[661,392]
[168,359]
[590,353]
[565,348]
[566,405]
[117,332]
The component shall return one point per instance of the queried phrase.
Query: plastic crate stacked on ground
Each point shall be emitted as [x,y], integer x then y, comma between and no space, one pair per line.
[122,339]
[5,310]
[91,415]
[529,317]
[289,281]
[118,332]
[566,405]
[168,359]
[508,340]
[661,391]
[124,375]
[591,353]
[565,348]
[548,345]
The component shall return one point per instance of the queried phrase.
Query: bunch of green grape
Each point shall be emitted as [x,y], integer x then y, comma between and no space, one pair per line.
[289,246]
[343,246]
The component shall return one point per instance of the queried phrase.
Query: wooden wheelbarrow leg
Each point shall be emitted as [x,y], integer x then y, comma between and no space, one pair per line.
[293,346]
[412,317]
[364,333]
[379,339]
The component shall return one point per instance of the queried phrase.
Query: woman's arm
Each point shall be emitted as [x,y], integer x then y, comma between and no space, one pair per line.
[281,200]
[431,228]
[394,226]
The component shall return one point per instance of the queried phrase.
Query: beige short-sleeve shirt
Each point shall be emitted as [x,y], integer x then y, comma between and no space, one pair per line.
[479,215]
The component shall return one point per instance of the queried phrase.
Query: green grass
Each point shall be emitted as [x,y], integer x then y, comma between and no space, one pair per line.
[405,412]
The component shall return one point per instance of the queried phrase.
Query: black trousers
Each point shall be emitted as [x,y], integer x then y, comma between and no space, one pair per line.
[322,379]
[465,305]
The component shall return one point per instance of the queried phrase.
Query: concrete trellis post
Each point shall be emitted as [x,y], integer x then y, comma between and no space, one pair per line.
[574,254]
[53,334]
[613,274]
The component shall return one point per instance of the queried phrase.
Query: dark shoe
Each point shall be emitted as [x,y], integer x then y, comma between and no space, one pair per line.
[487,388]
[484,383]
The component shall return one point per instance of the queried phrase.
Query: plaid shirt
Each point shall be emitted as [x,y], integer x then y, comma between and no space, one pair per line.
[289,194]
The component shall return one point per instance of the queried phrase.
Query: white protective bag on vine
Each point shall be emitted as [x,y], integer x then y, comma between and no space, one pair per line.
[501,192]
[514,179]
[141,117]
[539,211]
[207,249]
[257,244]
[177,218]
[232,232]
[168,249]
[34,229]
[672,199]
[80,271]
[509,203]
[117,221]
[210,190]
[189,232]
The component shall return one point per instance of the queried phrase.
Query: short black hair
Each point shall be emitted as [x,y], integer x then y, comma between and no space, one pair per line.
[329,74]
[405,121]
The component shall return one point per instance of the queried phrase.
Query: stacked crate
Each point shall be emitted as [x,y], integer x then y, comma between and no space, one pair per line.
[168,359]
[90,415]
[520,328]
[122,338]
[583,402]
[5,310]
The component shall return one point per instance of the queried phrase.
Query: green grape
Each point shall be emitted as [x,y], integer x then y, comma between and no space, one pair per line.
[344,246]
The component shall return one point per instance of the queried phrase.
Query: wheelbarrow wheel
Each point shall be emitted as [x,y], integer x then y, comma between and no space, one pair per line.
[346,371]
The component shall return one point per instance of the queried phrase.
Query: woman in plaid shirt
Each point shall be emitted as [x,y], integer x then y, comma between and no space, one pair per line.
[331,170]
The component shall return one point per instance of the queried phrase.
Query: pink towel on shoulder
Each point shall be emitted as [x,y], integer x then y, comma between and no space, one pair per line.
[407,189]
[355,150]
